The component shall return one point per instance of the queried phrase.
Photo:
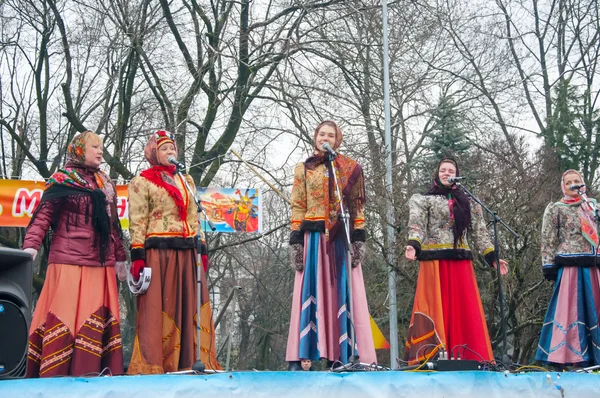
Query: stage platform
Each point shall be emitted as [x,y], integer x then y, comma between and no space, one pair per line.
[314,385]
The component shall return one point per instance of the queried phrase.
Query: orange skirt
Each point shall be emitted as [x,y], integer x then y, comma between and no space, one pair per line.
[75,328]
[165,339]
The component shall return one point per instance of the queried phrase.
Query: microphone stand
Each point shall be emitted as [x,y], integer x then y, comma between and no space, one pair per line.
[198,366]
[345,217]
[596,214]
[505,358]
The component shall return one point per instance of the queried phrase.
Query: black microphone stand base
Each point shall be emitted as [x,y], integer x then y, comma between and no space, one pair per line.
[198,366]
[353,359]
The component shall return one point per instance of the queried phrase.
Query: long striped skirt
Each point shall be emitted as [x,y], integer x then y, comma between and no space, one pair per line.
[75,328]
[447,312]
[570,333]
[319,323]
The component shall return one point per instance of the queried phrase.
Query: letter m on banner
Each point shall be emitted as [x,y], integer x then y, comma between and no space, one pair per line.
[26,201]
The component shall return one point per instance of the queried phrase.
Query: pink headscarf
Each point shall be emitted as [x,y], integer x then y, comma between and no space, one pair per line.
[338,133]
[157,140]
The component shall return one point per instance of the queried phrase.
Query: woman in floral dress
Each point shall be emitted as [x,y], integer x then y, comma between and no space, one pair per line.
[319,324]
[570,334]
[447,310]
[163,222]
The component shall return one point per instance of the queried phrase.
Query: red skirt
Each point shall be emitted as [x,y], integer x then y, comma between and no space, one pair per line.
[447,312]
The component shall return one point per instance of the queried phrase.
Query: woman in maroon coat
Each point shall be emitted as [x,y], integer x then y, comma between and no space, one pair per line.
[75,327]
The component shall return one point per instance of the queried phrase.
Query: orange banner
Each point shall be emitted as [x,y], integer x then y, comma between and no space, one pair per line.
[18,200]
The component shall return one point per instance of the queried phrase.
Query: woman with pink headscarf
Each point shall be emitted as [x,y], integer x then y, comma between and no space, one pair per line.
[319,324]
[163,223]
[570,334]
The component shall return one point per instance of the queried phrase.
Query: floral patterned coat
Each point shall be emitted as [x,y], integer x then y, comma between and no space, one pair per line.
[312,209]
[154,221]
[563,243]
[430,230]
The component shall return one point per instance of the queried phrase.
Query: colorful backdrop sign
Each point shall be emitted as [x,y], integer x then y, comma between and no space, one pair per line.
[230,209]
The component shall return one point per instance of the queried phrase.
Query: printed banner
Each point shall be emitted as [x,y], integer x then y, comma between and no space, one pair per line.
[19,198]
[230,209]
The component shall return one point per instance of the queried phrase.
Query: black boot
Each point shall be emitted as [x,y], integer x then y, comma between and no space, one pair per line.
[329,364]
[294,366]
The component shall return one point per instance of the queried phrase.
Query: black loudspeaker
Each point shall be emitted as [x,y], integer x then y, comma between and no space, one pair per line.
[16,275]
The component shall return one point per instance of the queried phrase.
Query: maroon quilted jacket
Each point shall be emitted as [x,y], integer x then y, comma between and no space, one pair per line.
[74,241]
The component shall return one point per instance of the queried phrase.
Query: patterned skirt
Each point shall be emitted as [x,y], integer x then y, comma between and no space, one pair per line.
[166,321]
[75,328]
[447,311]
[570,333]
[319,324]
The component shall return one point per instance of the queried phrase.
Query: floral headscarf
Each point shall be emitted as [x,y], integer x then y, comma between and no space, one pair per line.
[158,139]
[76,148]
[588,225]
[69,176]
[563,187]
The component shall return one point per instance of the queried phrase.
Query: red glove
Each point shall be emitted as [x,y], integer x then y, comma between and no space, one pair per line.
[204,261]
[136,268]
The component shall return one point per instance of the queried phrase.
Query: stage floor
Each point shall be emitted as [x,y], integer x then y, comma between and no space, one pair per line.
[314,385]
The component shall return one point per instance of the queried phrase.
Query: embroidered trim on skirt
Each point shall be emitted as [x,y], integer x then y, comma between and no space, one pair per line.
[75,328]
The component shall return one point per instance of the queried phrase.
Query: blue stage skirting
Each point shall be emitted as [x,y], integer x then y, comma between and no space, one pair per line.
[314,385]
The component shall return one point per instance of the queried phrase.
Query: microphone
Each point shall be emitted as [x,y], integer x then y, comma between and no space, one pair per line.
[575,187]
[174,161]
[329,149]
[455,179]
